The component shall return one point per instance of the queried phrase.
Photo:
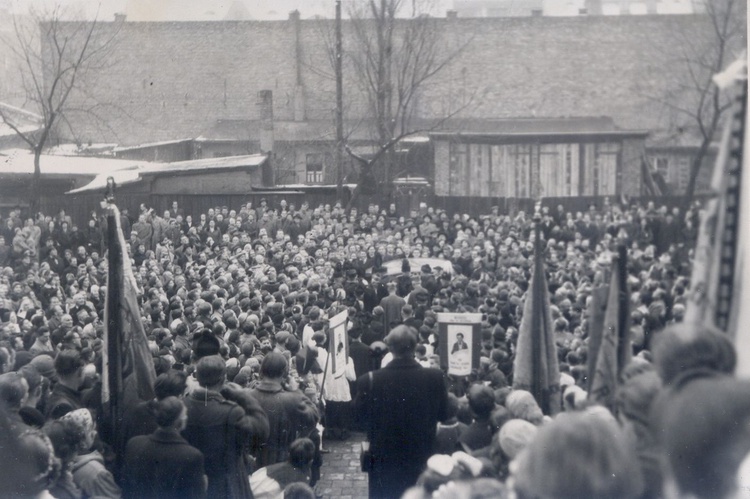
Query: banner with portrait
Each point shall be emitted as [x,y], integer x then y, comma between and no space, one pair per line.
[460,342]
[339,343]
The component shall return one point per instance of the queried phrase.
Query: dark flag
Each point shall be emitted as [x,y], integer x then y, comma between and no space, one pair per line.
[597,310]
[535,367]
[615,349]
[126,355]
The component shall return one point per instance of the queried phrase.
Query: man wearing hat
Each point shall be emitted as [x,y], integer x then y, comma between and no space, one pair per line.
[281,338]
[428,281]
[223,422]
[375,330]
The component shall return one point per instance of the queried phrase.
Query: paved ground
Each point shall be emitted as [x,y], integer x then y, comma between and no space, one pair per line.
[340,476]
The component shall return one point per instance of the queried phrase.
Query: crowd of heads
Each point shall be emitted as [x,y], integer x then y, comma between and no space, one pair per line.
[240,285]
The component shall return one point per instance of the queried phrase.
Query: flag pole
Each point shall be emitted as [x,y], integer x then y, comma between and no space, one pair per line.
[624,346]
[538,387]
[114,329]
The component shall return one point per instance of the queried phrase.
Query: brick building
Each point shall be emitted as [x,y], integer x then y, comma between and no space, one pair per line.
[196,85]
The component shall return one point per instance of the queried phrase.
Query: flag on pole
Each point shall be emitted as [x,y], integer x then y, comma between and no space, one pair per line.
[122,317]
[597,310]
[715,297]
[615,348]
[739,311]
[535,367]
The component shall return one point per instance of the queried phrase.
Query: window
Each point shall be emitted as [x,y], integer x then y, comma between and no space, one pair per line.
[520,156]
[510,170]
[600,169]
[682,172]
[314,170]
[458,168]
[558,170]
[479,178]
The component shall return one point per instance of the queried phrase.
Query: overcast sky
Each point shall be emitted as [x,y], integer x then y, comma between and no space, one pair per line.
[201,10]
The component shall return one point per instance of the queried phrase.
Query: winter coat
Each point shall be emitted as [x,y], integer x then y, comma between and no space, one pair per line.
[90,475]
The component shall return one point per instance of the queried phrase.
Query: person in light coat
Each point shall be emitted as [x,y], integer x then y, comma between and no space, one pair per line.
[336,392]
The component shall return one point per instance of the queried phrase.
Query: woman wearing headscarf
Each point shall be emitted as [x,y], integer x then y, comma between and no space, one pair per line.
[87,467]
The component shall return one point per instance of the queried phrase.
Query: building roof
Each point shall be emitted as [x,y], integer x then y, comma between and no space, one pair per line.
[534,128]
[574,124]
[21,162]
[283,131]
[138,172]
[150,144]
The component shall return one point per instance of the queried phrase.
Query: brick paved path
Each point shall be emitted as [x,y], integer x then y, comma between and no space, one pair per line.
[340,477]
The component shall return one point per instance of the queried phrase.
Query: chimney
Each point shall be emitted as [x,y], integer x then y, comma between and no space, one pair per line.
[298,99]
[451,14]
[299,103]
[120,17]
[265,110]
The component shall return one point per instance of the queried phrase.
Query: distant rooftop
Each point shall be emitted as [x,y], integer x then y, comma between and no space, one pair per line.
[21,161]
[137,171]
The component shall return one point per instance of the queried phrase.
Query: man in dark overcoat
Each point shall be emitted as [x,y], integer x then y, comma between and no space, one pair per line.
[400,407]
[291,414]
[163,464]
[224,423]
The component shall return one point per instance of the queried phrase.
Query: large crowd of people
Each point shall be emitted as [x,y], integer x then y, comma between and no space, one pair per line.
[235,305]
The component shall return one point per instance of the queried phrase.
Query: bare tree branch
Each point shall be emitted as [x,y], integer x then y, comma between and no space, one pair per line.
[394,59]
[54,57]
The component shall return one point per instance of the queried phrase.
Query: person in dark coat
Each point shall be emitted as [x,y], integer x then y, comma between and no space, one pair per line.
[224,422]
[375,328]
[65,396]
[291,414]
[163,464]
[400,406]
[392,305]
[359,352]
[140,419]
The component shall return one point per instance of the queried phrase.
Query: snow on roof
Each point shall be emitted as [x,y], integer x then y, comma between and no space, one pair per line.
[6,131]
[137,172]
[69,149]
[149,144]
[212,163]
[21,161]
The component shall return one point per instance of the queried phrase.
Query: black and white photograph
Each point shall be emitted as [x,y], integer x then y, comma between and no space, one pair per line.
[374,249]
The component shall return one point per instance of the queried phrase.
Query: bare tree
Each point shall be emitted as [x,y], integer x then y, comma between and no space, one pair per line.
[394,58]
[53,56]
[694,101]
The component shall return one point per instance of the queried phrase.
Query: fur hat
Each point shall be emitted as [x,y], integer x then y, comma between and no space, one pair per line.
[206,343]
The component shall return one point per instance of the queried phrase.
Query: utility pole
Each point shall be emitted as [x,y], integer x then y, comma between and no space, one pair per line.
[339,110]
